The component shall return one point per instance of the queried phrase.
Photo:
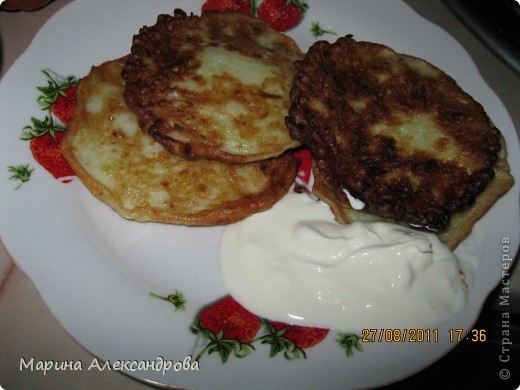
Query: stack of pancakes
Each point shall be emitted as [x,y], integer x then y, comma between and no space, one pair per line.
[198,123]
[189,127]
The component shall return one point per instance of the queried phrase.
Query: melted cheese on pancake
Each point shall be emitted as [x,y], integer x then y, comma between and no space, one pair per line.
[134,174]
[419,133]
[216,86]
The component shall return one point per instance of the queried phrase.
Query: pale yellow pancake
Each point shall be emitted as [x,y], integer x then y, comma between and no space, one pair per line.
[127,169]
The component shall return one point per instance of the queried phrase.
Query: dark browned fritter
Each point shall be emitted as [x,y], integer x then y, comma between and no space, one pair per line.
[214,86]
[393,130]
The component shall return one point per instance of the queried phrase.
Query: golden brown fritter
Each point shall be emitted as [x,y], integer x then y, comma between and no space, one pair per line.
[393,130]
[215,86]
[127,169]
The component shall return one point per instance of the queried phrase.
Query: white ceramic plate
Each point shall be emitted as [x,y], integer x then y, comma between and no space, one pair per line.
[95,270]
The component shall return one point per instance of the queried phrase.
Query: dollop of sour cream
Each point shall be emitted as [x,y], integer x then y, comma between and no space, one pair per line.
[294,263]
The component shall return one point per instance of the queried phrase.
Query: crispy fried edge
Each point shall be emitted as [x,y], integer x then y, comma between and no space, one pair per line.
[193,151]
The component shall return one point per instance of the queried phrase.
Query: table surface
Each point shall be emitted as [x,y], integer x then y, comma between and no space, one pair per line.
[28,329]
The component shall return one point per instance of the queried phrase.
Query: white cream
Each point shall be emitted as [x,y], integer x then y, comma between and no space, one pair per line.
[294,263]
[354,202]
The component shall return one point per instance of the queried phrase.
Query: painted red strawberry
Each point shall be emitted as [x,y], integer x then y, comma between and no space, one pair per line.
[63,107]
[232,319]
[304,176]
[229,327]
[282,14]
[302,336]
[45,137]
[291,340]
[59,97]
[247,7]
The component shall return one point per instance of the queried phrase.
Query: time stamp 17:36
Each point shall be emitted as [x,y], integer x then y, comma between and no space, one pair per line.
[416,335]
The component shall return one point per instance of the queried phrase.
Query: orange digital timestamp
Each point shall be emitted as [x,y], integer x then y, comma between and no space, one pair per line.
[472,335]
[406,335]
